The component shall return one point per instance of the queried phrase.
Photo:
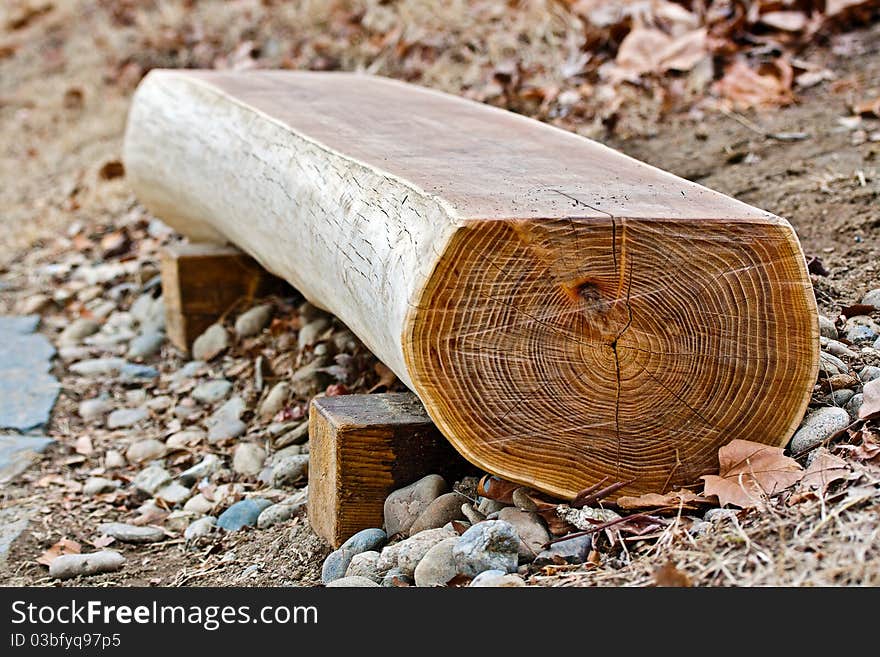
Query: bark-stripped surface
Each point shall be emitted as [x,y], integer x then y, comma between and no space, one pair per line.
[564,312]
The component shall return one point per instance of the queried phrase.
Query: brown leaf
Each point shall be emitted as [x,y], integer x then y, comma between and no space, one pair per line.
[870,407]
[103,541]
[64,546]
[870,107]
[647,50]
[769,86]
[386,377]
[857,309]
[824,470]
[749,472]
[674,500]
[497,489]
[669,575]
[112,169]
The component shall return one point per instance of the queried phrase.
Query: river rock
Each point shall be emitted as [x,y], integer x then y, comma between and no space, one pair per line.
[490,545]
[242,514]
[337,562]
[442,510]
[187,438]
[853,405]
[310,379]
[178,521]
[225,423]
[94,563]
[351,582]
[405,505]
[869,373]
[210,392]
[872,298]
[295,436]
[148,449]
[211,343]
[77,331]
[437,567]
[572,550]
[253,321]
[131,533]
[290,469]
[126,417]
[99,485]
[151,479]
[861,328]
[173,494]
[827,328]
[838,349]
[248,459]
[284,510]
[364,565]
[831,365]
[530,527]
[92,409]
[145,345]
[204,468]
[817,426]
[840,397]
[274,401]
[198,503]
[311,332]
[497,578]
[200,528]
[406,554]
[114,459]
[160,403]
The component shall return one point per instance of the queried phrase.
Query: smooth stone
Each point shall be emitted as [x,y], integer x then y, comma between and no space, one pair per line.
[817,426]
[854,405]
[530,527]
[861,329]
[337,562]
[310,379]
[872,298]
[839,349]
[296,436]
[200,528]
[841,397]
[92,409]
[131,533]
[831,365]
[497,579]
[148,449]
[211,343]
[471,513]
[19,324]
[487,506]
[442,510]
[289,470]
[827,328]
[173,493]
[198,503]
[27,390]
[151,479]
[351,582]
[869,373]
[242,514]
[114,459]
[437,567]
[186,438]
[17,453]
[405,505]
[95,563]
[94,367]
[396,578]
[490,545]
[719,515]
[572,550]
[99,485]
[35,304]
[146,345]
[178,521]
[283,511]
[204,468]
[136,397]
[274,401]
[77,331]
[210,392]
[310,332]
[364,565]
[160,403]
[248,458]
[253,321]
[225,423]
[188,371]
[126,417]
[406,554]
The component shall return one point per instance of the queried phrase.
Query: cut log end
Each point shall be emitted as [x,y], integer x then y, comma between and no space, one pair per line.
[556,353]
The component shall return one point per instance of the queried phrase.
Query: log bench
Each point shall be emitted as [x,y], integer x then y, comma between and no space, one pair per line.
[564,312]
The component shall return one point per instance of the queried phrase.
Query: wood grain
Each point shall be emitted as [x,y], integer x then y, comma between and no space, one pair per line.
[564,312]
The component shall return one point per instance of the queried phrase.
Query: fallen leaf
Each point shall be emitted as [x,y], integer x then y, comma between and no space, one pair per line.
[386,377]
[64,546]
[674,500]
[112,169]
[870,407]
[669,575]
[646,50]
[749,472]
[857,309]
[103,541]
[497,489]
[769,86]
[816,266]
[869,107]
[824,470]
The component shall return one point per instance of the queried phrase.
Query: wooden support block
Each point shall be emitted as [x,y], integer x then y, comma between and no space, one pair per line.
[201,282]
[362,448]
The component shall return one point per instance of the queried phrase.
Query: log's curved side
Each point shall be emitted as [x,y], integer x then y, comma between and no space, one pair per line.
[355,241]
[557,353]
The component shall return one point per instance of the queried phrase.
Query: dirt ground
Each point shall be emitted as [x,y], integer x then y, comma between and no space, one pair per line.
[67,71]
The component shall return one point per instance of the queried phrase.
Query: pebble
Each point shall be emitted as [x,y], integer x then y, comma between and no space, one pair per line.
[310,379]
[114,459]
[295,436]
[472,514]
[351,582]
[530,527]
[131,533]
[827,328]
[437,567]
[364,565]
[869,373]
[136,397]
[395,578]
[151,479]
[274,401]
[839,349]
[831,365]
[253,321]
[204,468]
[77,331]
[854,405]
[99,485]
[872,298]
[818,426]
[92,409]
[309,333]
[225,423]
[281,512]
[211,343]
[210,392]
[442,510]
[337,562]
[490,545]
[405,505]
[145,345]
[200,528]
[148,449]
[718,515]
[487,506]
[248,459]
[497,578]
[289,469]
[861,329]
[572,550]
[95,563]
[99,366]
[160,403]
[178,521]
[126,417]
[198,503]
[406,554]
[173,493]
[840,397]
[242,514]
[186,438]
[188,371]
[35,304]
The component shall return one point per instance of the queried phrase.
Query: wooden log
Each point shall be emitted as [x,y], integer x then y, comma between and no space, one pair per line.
[363,447]
[202,282]
[564,312]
